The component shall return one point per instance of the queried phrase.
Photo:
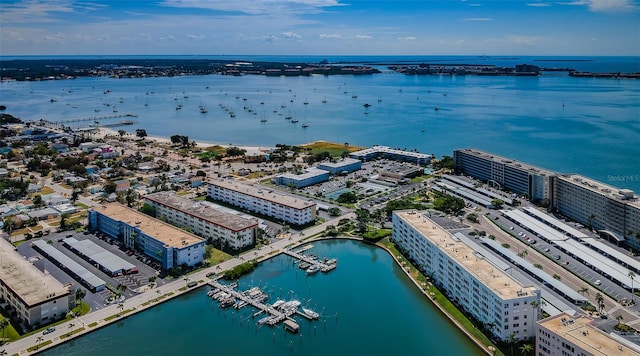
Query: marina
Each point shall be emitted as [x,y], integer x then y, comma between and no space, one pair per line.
[280,311]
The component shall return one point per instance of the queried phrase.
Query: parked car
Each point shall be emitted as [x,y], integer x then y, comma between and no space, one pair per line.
[598,282]
[49,330]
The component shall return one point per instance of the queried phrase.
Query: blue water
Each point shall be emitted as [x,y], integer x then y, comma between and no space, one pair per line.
[369,307]
[573,125]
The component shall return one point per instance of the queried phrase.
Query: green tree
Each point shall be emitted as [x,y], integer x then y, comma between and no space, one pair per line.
[9,224]
[619,319]
[600,302]
[448,204]
[526,349]
[363,218]
[497,203]
[632,275]
[511,340]
[109,187]
[333,211]
[3,324]
[80,294]
[347,198]
[584,291]
[148,209]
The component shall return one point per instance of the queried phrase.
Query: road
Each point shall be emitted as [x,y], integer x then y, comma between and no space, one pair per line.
[145,300]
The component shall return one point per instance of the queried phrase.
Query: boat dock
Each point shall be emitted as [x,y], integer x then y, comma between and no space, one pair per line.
[275,316]
[307,261]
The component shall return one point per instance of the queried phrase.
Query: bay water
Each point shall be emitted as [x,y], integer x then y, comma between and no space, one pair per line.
[589,126]
[367,306]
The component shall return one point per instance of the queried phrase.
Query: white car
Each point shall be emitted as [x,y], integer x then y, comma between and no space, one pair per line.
[598,282]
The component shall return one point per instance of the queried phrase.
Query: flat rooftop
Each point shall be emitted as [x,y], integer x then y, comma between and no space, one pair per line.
[26,280]
[484,271]
[263,193]
[309,173]
[623,195]
[507,161]
[340,163]
[202,211]
[389,150]
[579,331]
[161,231]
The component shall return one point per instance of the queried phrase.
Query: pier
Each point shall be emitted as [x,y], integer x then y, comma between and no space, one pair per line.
[275,316]
[308,261]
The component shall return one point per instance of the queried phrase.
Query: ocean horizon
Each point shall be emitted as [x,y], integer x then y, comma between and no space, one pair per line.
[589,126]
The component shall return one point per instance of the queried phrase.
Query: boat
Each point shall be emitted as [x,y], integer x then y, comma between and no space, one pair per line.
[366,105]
[305,125]
[436,108]
[324,101]
[264,320]
[293,121]
[313,269]
[278,303]
[310,313]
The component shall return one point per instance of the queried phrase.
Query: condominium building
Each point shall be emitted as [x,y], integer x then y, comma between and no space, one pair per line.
[309,177]
[280,207]
[612,211]
[468,279]
[518,177]
[160,241]
[376,152]
[566,335]
[230,229]
[37,298]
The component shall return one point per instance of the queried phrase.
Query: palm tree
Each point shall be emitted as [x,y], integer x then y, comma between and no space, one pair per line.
[80,294]
[600,302]
[186,280]
[523,254]
[631,275]
[3,352]
[526,349]
[121,307]
[535,305]
[584,291]
[619,319]
[512,340]
[39,340]
[3,324]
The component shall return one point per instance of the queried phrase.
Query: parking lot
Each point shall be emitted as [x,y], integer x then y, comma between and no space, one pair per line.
[133,283]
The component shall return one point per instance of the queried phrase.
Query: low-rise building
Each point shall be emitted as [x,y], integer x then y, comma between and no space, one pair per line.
[566,335]
[263,201]
[346,165]
[231,230]
[310,176]
[376,152]
[36,298]
[160,241]
[468,279]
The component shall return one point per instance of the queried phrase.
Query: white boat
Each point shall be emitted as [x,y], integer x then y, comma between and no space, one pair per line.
[278,303]
[264,320]
[313,269]
[310,313]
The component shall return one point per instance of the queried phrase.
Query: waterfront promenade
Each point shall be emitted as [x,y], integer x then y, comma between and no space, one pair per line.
[113,313]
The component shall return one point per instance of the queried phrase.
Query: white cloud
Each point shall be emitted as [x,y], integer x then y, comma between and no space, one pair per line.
[166,38]
[607,5]
[195,37]
[539,4]
[290,34]
[362,37]
[478,19]
[36,11]
[256,7]
[334,35]
[57,37]
[408,38]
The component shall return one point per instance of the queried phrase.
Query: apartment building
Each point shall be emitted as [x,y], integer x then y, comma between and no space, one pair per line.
[518,177]
[566,335]
[376,152]
[613,211]
[158,240]
[36,297]
[232,230]
[265,201]
[472,282]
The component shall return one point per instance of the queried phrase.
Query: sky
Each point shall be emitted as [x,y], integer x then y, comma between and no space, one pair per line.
[320,27]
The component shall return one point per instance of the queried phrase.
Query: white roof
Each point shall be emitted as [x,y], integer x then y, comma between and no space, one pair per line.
[555,222]
[535,225]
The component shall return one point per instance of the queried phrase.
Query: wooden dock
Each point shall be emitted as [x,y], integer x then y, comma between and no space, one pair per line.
[276,316]
[325,266]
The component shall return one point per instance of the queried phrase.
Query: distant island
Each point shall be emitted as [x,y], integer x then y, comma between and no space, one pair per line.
[59,69]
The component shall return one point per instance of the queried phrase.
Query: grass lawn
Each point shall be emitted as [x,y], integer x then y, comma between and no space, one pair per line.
[82,206]
[46,190]
[334,149]
[216,256]
[377,234]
